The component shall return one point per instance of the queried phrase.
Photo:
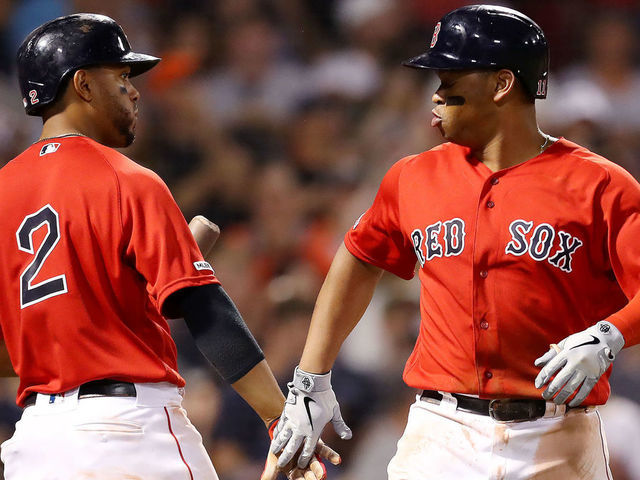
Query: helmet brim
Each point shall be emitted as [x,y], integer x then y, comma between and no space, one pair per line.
[139,62]
[443,61]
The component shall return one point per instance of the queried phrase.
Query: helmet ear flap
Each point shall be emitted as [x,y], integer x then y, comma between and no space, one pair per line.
[479,37]
[56,49]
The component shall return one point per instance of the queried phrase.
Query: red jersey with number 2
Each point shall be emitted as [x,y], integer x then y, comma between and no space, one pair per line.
[91,245]
[509,261]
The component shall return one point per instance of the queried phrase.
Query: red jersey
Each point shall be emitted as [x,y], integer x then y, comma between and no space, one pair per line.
[509,261]
[91,245]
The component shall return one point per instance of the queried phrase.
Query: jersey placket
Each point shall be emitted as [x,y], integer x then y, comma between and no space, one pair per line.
[484,285]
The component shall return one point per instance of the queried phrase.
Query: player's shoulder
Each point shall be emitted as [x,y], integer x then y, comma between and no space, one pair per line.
[115,159]
[585,162]
[443,151]
[445,154]
[125,169]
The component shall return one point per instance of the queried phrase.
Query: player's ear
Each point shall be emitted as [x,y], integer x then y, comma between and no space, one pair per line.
[81,83]
[505,82]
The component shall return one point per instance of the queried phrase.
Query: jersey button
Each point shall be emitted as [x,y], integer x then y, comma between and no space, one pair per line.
[495,181]
[488,375]
[484,273]
[490,204]
[484,325]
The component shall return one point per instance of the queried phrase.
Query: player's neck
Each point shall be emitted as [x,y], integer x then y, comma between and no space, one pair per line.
[61,124]
[514,143]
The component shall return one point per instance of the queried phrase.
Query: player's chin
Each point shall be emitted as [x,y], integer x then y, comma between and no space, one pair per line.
[445,132]
[122,140]
[449,132]
[129,134]
[130,138]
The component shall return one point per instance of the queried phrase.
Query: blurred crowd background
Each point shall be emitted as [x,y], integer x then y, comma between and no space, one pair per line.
[277,120]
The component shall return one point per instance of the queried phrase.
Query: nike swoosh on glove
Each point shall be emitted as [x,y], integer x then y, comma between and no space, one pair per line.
[310,405]
[579,360]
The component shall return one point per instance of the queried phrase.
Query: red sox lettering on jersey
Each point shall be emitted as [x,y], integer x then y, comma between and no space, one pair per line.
[541,242]
[504,272]
[446,238]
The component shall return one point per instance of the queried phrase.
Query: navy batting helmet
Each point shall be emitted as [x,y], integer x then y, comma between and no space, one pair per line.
[478,37]
[58,48]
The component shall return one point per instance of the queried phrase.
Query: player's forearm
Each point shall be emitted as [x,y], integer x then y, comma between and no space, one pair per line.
[261,391]
[6,369]
[342,301]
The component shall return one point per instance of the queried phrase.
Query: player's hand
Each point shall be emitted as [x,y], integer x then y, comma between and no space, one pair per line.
[310,405]
[315,471]
[580,360]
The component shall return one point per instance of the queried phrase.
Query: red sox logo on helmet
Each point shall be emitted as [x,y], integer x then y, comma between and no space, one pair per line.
[436,31]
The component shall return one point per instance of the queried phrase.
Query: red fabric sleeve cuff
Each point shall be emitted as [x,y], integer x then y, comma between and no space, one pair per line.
[357,252]
[272,427]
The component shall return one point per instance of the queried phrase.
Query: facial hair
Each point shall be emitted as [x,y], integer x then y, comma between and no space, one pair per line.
[122,120]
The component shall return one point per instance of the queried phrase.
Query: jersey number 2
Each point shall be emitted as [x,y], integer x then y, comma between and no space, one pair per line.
[30,294]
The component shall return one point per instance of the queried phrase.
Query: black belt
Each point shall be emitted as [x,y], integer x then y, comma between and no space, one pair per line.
[501,409]
[102,388]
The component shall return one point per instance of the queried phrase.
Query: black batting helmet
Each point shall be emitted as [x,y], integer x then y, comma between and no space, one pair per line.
[478,37]
[58,48]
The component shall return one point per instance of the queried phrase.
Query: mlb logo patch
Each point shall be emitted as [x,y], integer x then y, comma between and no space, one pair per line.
[49,148]
[202,266]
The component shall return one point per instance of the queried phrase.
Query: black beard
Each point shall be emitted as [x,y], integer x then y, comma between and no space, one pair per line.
[124,127]
[129,136]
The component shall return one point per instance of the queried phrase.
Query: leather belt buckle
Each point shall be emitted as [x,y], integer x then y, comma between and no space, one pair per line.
[516,410]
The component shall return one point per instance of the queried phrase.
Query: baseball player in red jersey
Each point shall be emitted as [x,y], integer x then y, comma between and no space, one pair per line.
[95,254]
[521,241]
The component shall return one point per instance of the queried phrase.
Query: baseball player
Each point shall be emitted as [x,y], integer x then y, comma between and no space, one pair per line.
[94,254]
[521,241]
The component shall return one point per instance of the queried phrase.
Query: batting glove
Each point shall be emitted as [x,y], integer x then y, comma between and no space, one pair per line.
[310,405]
[581,359]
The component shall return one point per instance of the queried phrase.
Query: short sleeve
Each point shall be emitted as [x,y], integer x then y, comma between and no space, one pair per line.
[157,241]
[620,203]
[377,237]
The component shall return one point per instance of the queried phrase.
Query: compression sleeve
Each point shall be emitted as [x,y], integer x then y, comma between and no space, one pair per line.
[219,331]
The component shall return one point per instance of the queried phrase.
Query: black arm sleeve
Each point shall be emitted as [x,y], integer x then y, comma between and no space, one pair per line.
[219,331]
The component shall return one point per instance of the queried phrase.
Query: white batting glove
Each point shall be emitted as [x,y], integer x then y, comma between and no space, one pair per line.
[310,405]
[581,359]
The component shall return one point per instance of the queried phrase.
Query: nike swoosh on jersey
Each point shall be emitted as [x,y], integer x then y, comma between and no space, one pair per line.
[595,341]
[306,401]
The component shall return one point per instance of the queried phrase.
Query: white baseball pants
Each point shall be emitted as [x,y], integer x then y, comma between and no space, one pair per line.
[442,443]
[147,437]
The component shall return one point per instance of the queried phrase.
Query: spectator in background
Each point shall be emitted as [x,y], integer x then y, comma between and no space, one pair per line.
[257,81]
[602,90]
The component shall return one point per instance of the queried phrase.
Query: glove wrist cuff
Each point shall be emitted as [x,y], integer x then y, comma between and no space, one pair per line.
[311,382]
[610,334]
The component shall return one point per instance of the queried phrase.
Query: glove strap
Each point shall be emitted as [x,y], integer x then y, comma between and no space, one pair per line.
[311,382]
[609,334]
